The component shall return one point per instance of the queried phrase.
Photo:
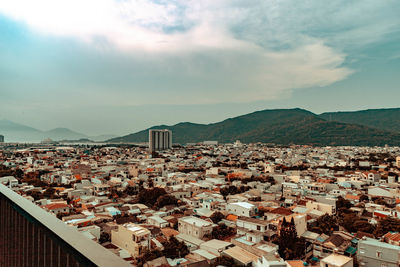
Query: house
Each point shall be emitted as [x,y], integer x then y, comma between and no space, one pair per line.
[57,208]
[392,238]
[252,224]
[194,226]
[131,237]
[339,243]
[372,253]
[379,192]
[242,209]
[157,221]
[325,208]
[9,181]
[336,260]
[241,256]
[215,246]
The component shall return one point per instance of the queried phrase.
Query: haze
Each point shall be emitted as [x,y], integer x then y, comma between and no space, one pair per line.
[103,66]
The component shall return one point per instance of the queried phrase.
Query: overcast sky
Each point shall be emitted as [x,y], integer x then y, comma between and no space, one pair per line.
[119,66]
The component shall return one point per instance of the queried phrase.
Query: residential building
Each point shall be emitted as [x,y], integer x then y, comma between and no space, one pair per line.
[160,140]
[374,253]
[132,237]
[336,260]
[194,226]
[242,209]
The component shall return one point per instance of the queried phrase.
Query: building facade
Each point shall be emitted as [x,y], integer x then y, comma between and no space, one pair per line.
[131,237]
[160,140]
[31,236]
[1,138]
[372,253]
[194,226]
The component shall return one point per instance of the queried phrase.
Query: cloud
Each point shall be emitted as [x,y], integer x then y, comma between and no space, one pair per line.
[206,51]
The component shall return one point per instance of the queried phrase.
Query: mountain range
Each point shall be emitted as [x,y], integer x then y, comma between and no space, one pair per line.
[290,126]
[15,132]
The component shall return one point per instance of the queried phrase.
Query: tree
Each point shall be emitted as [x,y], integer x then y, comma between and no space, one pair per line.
[217,216]
[224,261]
[148,256]
[364,226]
[325,224]
[49,193]
[104,237]
[290,245]
[149,196]
[165,200]
[130,190]
[364,198]
[387,225]
[343,203]
[150,183]
[222,232]
[174,248]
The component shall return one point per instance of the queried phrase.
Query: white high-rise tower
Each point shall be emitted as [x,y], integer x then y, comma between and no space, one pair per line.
[160,140]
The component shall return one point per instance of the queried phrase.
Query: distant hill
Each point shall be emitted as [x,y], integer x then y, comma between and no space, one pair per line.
[64,133]
[384,119]
[280,126]
[100,138]
[16,132]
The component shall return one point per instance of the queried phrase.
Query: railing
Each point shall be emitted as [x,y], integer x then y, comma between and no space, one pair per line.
[30,236]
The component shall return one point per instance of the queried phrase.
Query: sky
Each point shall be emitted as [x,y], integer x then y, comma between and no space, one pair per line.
[120,66]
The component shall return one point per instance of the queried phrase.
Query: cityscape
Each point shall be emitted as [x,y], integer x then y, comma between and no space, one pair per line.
[199,133]
[204,204]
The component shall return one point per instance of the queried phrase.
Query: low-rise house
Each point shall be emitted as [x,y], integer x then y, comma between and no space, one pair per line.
[215,246]
[9,181]
[241,256]
[392,238]
[242,209]
[325,208]
[194,226]
[336,260]
[57,208]
[157,221]
[131,237]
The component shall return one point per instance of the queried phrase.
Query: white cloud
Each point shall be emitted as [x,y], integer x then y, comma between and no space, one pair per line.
[196,46]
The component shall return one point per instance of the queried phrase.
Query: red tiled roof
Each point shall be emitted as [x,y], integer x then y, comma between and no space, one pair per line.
[281,211]
[392,236]
[55,206]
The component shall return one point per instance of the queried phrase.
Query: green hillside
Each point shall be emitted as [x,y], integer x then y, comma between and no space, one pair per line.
[280,126]
[384,119]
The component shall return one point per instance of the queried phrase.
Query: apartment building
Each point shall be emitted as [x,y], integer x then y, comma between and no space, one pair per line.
[374,253]
[160,140]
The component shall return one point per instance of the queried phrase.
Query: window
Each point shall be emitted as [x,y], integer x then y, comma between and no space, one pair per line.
[379,254]
[258,227]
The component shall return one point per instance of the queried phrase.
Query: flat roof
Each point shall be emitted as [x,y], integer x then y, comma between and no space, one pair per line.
[195,221]
[245,205]
[215,243]
[241,255]
[374,242]
[336,260]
